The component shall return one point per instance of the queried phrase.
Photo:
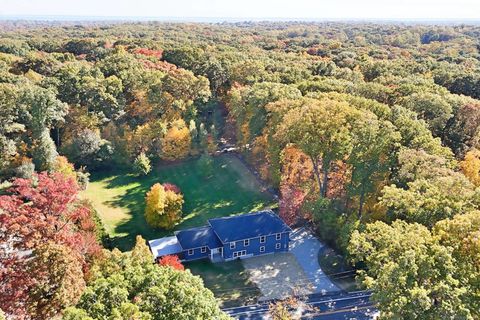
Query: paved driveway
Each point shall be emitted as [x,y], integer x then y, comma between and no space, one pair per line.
[278,275]
[305,247]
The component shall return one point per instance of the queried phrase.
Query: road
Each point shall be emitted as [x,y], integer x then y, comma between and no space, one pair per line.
[355,305]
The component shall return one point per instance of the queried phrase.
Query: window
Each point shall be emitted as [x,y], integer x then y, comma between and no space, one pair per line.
[190,252]
[278,236]
[263,239]
[262,249]
[203,250]
[232,245]
[246,243]
[277,246]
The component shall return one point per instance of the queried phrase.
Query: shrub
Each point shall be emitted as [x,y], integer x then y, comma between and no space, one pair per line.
[141,165]
[172,261]
[83,178]
[205,165]
[25,170]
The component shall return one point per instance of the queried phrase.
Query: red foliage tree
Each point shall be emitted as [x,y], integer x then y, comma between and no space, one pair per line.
[171,187]
[290,203]
[171,261]
[45,208]
[149,52]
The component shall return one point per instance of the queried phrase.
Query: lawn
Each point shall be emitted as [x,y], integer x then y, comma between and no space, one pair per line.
[119,197]
[119,200]
[228,281]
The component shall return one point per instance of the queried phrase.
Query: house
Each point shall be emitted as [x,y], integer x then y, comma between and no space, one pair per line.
[227,238]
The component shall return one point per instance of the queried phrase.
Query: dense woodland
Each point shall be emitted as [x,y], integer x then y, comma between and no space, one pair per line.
[370,133]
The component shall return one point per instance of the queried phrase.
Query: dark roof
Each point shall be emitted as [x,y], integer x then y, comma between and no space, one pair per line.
[246,226]
[198,237]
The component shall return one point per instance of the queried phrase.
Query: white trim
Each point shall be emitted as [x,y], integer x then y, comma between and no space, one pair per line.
[278,236]
[246,242]
[264,238]
[278,246]
[203,250]
[262,249]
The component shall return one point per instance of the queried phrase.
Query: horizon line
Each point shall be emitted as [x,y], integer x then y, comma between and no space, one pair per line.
[101,18]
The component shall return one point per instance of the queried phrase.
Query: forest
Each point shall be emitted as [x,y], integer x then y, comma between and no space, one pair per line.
[369,133]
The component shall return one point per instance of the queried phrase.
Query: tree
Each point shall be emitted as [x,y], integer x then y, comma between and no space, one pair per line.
[461,233]
[37,211]
[163,208]
[86,148]
[411,275]
[43,110]
[64,167]
[141,165]
[58,280]
[171,261]
[123,284]
[471,166]
[205,165]
[177,141]
[373,147]
[428,201]
[321,129]
[432,108]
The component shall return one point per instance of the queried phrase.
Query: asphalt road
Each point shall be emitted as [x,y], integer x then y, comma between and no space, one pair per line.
[355,305]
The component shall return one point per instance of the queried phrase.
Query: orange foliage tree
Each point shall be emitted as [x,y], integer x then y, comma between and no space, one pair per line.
[172,261]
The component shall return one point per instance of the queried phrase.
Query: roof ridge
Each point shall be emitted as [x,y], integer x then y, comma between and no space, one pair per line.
[269,211]
[194,228]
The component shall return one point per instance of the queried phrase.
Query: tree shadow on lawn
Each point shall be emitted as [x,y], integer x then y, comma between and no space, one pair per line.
[221,195]
[229,281]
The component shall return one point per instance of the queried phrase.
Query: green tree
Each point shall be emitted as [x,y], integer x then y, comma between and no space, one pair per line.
[129,286]
[374,143]
[141,165]
[205,165]
[411,275]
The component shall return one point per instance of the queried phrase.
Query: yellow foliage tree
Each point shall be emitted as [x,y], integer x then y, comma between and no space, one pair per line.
[471,166]
[177,141]
[64,167]
[163,208]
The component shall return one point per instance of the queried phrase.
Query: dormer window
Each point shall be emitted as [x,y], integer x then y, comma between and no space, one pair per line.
[278,236]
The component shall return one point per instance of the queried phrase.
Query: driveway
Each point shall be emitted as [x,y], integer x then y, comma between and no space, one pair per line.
[305,246]
[278,275]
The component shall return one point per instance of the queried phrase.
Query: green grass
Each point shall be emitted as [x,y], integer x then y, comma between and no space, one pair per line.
[119,197]
[228,281]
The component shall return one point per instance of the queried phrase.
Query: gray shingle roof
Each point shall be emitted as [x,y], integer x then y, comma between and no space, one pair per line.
[246,226]
[198,237]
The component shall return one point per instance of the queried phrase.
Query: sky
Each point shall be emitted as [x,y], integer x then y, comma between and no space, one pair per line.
[254,9]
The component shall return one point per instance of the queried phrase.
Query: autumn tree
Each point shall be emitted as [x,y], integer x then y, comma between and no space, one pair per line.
[177,141]
[471,166]
[321,129]
[163,208]
[171,261]
[59,282]
[33,212]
